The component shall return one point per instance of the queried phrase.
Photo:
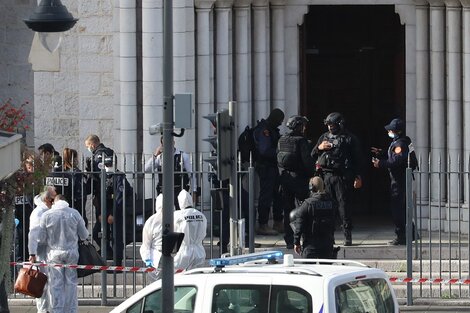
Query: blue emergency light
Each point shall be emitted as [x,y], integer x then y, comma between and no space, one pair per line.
[234,260]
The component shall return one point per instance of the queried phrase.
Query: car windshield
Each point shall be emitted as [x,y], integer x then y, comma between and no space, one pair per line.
[364,296]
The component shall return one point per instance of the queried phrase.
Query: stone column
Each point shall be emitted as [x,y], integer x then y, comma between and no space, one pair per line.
[128,77]
[438,101]
[152,80]
[223,57]
[422,93]
[277,53]
[454,94]
[204,84]
[466,84]
[294,15]
[260,59]
[242,64]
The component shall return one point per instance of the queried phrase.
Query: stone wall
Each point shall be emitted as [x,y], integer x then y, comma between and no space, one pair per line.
[77,100]
[16,76]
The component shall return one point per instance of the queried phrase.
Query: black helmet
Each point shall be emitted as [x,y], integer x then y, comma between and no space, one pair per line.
[334,118]
[295,121]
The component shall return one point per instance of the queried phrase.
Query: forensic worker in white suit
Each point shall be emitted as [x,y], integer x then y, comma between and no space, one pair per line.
[193,224]
[151,248]
[61,229]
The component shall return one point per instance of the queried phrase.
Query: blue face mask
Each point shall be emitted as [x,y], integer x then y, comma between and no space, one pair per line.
[391,135]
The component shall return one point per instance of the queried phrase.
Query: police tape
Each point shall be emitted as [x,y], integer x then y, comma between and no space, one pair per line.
[93,267]
[437,281]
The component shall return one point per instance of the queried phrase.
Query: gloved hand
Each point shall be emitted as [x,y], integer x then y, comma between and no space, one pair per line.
[148,263]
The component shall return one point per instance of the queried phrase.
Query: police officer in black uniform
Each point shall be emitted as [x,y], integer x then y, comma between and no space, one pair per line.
[338,156]
[396,161]
[314,223]
[297,166]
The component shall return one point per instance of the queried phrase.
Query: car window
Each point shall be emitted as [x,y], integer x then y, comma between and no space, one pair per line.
[370,295]
[289,299]
[240,299]
[185,299]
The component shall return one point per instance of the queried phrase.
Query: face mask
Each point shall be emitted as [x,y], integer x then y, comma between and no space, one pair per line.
[391,135]
[90,149]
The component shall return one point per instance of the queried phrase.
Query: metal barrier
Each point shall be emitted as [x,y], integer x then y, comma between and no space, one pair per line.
[138,204]
[437,198]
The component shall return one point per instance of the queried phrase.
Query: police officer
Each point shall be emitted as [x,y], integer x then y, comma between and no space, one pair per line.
[396,161]
[297,166]
[266,136]
[314,222]
[338,158]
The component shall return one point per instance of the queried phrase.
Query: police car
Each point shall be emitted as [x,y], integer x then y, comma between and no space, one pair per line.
[263,283]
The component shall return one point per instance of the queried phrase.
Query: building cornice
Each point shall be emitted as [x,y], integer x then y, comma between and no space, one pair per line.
[260,3]
[223,4]
[204,4]
[452,3]
[436,3]
[242,3]
[465,3]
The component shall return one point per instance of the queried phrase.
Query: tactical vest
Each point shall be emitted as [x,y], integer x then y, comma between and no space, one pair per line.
[288,156]
[337,157]
[324,217]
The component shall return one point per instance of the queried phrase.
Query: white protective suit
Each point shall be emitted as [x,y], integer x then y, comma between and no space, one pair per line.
[61,228]
[193,224]
[42,304]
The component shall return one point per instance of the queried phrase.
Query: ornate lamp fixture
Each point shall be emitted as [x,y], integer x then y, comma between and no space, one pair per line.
[49,17]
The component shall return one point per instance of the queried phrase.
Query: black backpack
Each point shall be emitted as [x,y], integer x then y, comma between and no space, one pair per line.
[247,145]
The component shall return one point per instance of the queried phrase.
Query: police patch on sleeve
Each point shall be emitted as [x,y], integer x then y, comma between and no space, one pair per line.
[397,150]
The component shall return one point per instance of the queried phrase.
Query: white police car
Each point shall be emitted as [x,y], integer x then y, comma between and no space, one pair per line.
[244,284]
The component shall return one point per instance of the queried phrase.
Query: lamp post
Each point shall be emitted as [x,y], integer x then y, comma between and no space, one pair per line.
[168,160]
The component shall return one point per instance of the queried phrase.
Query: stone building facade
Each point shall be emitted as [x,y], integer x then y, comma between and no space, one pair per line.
[109,79]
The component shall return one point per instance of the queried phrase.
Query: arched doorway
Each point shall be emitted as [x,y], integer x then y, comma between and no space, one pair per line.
[352,60]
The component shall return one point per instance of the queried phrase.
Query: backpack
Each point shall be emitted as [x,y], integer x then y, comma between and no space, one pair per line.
[246,145]
[413,160]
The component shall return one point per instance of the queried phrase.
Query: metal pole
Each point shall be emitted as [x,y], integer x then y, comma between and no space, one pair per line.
[409,234]
[104,233]
[251,207]
[168,160]
[235,249]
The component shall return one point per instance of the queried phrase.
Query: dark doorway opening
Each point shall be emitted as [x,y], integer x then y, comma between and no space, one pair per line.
[353,62]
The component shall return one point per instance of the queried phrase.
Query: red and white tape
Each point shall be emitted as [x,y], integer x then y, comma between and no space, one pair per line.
[441,281]
[92,267]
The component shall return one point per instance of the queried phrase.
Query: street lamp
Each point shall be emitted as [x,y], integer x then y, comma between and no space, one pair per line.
[49,18]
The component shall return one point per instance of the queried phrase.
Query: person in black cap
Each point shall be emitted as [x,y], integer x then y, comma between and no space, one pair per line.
[266,136]
[396,161]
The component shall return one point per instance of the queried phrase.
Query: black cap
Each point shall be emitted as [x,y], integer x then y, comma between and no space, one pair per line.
[395,125]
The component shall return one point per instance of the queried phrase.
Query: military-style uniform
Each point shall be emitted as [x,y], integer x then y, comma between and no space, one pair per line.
[339,167]
[297,166]
[314,223]
[396,163]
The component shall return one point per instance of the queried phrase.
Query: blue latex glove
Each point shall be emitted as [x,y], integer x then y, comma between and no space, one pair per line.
[17,222]
[148,263]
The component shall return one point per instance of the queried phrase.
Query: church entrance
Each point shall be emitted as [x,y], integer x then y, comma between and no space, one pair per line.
[353,62]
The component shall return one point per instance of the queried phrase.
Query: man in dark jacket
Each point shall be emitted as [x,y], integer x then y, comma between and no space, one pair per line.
[396,161]
[297,167]
[314,223]
[266,136]
[338,155]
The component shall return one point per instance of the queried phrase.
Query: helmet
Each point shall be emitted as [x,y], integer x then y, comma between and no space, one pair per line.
[295,121]
[334,118]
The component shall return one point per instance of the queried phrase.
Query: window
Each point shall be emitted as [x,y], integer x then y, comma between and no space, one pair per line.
[240,299]
[288,299]
[185,299]
[370,295]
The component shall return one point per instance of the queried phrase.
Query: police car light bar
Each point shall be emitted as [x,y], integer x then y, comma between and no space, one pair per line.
[238,259]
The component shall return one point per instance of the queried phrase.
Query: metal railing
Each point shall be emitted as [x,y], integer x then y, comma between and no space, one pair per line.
[138,204]
[437,198]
